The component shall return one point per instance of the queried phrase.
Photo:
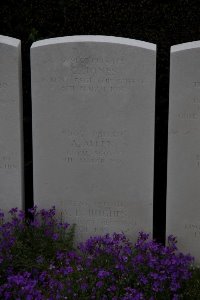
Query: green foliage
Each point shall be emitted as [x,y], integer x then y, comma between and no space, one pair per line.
[31,244]
[34,35]
[38,261]
[191,290]
[34,249]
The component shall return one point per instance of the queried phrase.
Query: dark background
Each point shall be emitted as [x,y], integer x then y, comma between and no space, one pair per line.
[166,23]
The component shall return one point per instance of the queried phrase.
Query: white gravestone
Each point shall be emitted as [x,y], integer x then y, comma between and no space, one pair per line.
[183,188]
[93,101]
[11,147]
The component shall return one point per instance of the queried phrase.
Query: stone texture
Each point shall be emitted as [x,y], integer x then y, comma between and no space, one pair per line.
[93,101]
[11,158]
[183,188]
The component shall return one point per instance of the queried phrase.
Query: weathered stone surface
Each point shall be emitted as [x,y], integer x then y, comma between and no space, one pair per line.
[11,147]
[93,101]
[183,189]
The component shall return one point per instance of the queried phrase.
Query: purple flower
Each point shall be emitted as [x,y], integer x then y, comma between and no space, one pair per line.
[67,270]
[103,267]
[55,236]
[112,288]
[40,259]
[99,284]
[13,211]
[84,286]
[102,274]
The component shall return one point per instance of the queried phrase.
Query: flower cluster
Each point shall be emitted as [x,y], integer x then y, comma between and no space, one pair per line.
[31,243]
[38,261]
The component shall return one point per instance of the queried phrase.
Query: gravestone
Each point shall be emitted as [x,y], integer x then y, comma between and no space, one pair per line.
[93,101]
[183,187]
[11,158]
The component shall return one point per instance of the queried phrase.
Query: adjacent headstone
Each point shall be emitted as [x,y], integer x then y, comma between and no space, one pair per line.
[11,162]
[183,188]
[93,101]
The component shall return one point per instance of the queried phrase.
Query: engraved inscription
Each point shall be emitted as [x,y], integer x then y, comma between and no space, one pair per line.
[88,217]
[7,162]
[192,111]
[196,84]
[93,84]
[197,160]
[193,230]
[96,60]
[99,212]
[187,116]
[99,146]
[94,74]
[107,210]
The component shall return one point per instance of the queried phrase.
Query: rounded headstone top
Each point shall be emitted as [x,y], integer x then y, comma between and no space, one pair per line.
[185,46]
[95,38]
[9,41]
